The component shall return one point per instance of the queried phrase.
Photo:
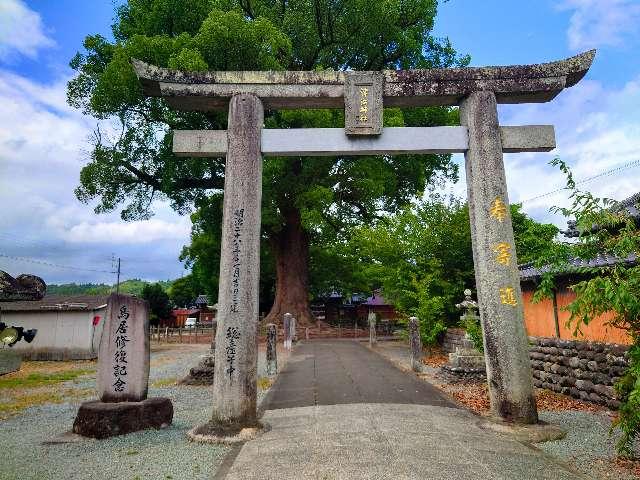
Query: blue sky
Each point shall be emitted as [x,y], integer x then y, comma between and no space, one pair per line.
[43,142]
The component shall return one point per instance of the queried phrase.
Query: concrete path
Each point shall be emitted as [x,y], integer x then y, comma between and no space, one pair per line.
[339,411]
[331,372]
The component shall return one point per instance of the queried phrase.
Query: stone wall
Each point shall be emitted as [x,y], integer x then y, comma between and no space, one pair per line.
[584,370]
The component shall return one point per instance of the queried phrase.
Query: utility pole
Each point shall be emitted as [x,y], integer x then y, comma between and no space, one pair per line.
[118,274]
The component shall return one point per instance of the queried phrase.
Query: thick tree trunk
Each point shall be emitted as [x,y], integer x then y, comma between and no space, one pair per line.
[291,251]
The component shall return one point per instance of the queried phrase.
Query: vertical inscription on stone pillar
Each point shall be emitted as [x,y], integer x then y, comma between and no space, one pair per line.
[120,358]
[123,359]
[497,278]
[234,384]
[238,220]
[363,103]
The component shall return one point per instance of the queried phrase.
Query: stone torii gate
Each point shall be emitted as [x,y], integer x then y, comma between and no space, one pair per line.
[477,91]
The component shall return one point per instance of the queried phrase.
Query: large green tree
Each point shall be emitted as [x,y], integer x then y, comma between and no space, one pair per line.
[421,257]
[304,199]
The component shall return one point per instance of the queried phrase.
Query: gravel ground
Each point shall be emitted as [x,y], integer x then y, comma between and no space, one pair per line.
[587,446]
[150,454]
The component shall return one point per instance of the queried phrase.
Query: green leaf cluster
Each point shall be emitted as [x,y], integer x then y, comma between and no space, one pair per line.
[159,304]
[605,229]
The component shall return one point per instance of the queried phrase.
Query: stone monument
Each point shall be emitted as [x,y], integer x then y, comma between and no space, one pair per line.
[363,95]
[466,363]
[272,349]
[204,371]
[286,325]
[123,376]
[372,329]
[415,344]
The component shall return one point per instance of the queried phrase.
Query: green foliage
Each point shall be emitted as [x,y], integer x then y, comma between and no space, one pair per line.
[136,166]
[159,305]
[77,289]
[472,326]
[183,291]
[532,238]
[421,257]
[604,228]
[130,287]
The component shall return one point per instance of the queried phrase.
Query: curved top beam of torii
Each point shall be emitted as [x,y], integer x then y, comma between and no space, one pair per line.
[204,91]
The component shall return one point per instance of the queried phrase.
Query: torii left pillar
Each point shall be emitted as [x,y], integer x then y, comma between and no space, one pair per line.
[234,385]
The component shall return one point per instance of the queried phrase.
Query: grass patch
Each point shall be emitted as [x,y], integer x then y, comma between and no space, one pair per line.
[164,382]
[20,400]
[37,379]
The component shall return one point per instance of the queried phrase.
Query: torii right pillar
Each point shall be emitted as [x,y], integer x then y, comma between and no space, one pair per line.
[496,268]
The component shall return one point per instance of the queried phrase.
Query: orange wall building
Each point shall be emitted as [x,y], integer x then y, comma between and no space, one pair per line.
[549,319]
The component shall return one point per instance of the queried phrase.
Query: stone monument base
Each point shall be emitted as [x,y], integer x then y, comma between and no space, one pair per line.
[98,419]
[227,435]
[202,374]
[10,361]
[533,433]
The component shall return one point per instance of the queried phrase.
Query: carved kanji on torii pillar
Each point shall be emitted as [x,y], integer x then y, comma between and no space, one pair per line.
[477,91]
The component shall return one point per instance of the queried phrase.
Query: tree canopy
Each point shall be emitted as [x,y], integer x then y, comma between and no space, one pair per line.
[304,200]
[614,290]
[421,258]
[159,305]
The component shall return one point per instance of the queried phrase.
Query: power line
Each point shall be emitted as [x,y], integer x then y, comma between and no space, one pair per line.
[55,265]
[632,164]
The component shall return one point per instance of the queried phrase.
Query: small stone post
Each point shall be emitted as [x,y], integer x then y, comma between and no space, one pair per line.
[306,333]
[272,344]
[496,267]
[236,356]
[372,329]
[292,327]
[286,325]
[416,344]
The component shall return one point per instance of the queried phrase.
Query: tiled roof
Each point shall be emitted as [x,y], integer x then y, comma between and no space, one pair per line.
[58,302]
[529,272]
[202,300]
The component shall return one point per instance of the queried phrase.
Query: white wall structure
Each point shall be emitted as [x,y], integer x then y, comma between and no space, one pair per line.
[65,326]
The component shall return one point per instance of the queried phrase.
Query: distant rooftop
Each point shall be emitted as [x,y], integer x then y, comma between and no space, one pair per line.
[58,302]
[529,272]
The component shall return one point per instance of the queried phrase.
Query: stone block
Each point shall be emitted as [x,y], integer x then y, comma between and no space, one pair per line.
[593,366]
[584,385]
[617,371]
[613,404]
[97,419]
[604,391]
[574,362]
[123,359]
[595,398]
[466,361]
[568,381]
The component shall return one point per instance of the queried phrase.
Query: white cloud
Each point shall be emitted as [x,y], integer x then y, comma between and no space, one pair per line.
[598,23]
[21,30]
[596,130]
[43,146]
[126,233]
